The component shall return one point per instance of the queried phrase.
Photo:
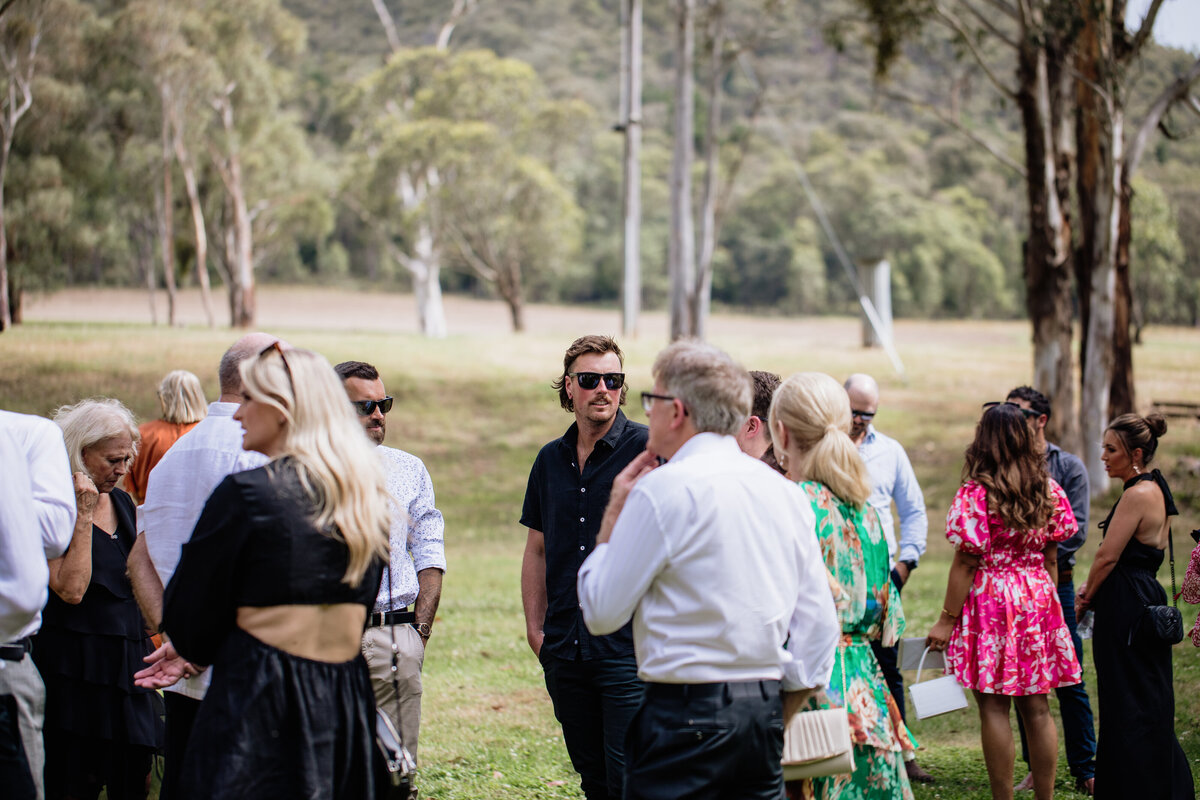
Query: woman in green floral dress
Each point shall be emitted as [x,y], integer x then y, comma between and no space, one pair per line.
[810,425]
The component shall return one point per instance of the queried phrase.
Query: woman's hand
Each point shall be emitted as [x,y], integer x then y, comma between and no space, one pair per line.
[939,634]
[86,496]
[1082,602]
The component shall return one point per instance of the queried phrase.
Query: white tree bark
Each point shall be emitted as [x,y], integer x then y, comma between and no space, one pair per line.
[631,118]
[681,248]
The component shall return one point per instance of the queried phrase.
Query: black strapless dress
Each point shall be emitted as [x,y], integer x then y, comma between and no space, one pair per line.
[1137,754]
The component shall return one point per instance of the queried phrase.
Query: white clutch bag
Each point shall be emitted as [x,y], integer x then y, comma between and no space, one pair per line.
[938,696]
[817,743]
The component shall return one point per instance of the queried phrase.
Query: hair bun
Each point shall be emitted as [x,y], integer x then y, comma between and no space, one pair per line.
[1157,424]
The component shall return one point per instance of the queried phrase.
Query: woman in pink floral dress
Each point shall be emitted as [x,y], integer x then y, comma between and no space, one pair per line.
[1001,623]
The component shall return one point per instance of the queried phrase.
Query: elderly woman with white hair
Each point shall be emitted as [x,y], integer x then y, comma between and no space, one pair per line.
[100,729]
[273,590]
[181,398]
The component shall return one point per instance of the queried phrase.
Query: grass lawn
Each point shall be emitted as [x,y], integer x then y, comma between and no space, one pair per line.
[476,408]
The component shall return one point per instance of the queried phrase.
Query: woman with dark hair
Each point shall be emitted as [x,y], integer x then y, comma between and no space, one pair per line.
[100,730]
[1001,623]
[1138,754]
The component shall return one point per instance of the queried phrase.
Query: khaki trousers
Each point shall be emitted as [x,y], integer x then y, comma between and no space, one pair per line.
[22,680]
[377,650]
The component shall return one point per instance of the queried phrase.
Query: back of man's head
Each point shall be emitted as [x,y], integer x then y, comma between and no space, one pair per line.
[1038,402]
[246,347]
[715,389]
[863,385]
[765,384]
[356,369]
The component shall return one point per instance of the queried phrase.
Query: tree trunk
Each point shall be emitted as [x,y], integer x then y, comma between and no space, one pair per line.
[166,220]
[702,292]
[1121,397]
[425,266]
[631,117]
[681,248]
[1047,251]
[241,248]
[183,156]
[5,313]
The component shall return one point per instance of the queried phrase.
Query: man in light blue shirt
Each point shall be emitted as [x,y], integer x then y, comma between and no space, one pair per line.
[892,481]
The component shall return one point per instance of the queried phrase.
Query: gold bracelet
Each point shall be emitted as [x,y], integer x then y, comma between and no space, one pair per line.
[946,611]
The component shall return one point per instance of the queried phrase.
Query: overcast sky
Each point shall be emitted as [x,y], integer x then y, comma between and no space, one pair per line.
[1178,23]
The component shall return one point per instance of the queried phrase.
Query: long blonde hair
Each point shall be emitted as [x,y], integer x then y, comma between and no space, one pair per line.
[338,466]
[815,410]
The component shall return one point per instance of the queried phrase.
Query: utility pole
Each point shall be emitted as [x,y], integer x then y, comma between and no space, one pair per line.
[631,125]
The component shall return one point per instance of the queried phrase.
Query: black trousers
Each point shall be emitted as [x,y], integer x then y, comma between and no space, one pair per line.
[706,741]
[181,714]
[888,658]
[15,776]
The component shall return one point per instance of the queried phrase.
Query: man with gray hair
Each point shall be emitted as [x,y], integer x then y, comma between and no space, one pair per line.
[176,492]
[892,480]
[715,556]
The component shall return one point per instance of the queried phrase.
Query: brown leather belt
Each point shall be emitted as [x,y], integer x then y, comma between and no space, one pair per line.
[1065,576]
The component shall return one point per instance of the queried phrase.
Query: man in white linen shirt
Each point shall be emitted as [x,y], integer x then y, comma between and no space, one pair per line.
[178,488]
[418,561]
[715,556]
[37,516]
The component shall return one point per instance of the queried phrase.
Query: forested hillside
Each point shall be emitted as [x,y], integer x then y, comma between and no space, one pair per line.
[303,142]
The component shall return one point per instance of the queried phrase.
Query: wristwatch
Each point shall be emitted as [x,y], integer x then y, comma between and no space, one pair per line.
[910,563]
[423,629]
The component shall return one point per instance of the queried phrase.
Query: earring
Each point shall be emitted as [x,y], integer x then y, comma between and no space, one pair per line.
[1137,470]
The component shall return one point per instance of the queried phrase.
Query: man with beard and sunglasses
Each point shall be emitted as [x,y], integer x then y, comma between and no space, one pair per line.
[406,608]
[592,680]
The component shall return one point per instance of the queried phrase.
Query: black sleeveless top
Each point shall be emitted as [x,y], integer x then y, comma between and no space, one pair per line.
[255,544]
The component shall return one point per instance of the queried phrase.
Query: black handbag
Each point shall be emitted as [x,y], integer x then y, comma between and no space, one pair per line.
[395,769]
[1161,623]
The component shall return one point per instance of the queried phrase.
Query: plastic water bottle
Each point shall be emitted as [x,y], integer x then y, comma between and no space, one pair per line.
[1085,625]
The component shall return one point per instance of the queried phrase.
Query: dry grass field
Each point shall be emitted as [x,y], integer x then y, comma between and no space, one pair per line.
[476,407]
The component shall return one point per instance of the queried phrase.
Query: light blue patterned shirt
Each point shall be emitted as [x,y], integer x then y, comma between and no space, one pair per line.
[893,480]
[417,535]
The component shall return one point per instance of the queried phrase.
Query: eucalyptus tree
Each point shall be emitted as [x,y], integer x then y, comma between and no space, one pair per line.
[456,153]
[21,32]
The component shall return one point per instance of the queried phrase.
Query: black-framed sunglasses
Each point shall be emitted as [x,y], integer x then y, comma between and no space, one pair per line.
[863,415]
[276,347]
[590,380]
[1028,413]
[366,408]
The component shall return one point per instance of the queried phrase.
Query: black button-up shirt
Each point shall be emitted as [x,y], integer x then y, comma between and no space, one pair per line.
[567,506]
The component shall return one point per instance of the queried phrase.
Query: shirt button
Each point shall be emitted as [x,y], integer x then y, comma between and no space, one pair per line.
[581,547]
[583,488]
[581,519]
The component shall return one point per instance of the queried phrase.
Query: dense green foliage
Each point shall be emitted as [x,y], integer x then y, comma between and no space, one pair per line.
[512,124]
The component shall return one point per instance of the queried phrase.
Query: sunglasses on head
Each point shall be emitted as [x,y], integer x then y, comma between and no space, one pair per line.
[366,408]
[1026,412]
[590,380]
[278,348]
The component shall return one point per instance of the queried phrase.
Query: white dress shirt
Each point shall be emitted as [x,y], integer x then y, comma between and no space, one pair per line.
[417,533]
[178,488]
[715,555]
[37,518]
[893,479]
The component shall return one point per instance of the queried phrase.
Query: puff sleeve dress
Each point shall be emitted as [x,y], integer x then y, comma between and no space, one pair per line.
[1010,638]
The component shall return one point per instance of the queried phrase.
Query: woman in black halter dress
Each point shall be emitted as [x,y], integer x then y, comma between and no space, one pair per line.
[1138,754]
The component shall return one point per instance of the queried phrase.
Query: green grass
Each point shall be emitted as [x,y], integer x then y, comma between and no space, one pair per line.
[476,409]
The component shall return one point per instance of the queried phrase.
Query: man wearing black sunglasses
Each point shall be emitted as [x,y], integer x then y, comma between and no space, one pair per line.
[1079,731]
[409,604]
[592,680]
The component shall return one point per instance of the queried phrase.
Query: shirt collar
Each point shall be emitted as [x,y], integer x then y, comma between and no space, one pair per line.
[870,437]
[571,437]
[219,409]
[703,443]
